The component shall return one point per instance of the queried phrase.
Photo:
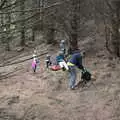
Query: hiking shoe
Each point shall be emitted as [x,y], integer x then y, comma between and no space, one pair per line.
[63,69]
[72,88]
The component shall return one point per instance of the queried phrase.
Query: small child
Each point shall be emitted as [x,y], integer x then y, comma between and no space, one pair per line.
[62,46]
[48,61]
[34,62]
[61,61]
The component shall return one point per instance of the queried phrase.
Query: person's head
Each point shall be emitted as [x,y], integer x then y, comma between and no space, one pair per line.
[62,41]
[48,55]
[34,56]
[76,50]
[35,51]
[72,51]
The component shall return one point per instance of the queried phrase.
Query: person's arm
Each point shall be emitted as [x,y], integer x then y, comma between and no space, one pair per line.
[79,61]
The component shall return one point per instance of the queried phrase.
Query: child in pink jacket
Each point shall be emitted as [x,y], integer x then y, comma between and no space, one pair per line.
[34,62]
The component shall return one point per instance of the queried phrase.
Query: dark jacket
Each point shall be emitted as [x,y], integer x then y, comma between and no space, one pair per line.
[76,59]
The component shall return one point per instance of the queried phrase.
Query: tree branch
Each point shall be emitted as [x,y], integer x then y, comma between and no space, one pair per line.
[2,4]
[109,5]
[31,10]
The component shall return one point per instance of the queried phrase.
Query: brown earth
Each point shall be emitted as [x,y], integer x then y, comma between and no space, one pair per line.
[45,95]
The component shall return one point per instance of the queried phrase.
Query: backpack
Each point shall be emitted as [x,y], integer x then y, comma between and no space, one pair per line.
[86,75]
[55,67]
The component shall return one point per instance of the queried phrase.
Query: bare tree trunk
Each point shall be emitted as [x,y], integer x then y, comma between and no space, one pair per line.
[22,15]
[116,28]
[8,34]
[41,6]
[6,29]
[1,28]
[33,35]
[74,24]
[50,35]
[74,35]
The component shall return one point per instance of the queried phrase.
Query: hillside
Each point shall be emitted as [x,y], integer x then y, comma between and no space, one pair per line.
[45,95]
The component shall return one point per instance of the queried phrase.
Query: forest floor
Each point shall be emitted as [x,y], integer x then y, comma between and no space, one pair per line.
[45,95]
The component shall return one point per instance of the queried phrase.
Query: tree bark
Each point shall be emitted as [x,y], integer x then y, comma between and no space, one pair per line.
[50,35]
[33,35]
[116,28]
[22,15]
[75,24]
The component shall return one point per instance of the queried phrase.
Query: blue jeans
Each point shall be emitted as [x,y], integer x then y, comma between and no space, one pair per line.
[72,76]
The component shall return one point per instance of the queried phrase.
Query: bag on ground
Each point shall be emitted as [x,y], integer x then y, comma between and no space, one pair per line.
[55,67]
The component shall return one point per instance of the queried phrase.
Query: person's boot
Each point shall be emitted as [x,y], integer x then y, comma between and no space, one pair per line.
[72,88]
[63,69]
[35,69]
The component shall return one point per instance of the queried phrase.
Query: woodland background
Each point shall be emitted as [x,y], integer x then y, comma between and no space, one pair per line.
[91,25]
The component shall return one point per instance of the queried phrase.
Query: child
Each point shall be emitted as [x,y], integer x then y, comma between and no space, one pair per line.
[34,62]
[61,61]
[62,46]
[48,61]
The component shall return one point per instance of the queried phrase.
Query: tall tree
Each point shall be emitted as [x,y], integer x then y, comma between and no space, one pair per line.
[116,27]
[22,16]
[113,31]
[74,23]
